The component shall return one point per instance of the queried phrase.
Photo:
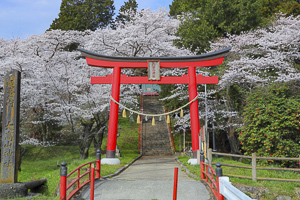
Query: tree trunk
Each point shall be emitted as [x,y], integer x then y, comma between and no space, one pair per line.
[87,136]
[224,143]
[233,141]
[84,146]
[44,133]
[98,143]
[85,139]
[84,151]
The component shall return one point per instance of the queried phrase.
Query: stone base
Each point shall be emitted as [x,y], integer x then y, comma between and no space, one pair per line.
[13,190]
[111,161]
[193,161]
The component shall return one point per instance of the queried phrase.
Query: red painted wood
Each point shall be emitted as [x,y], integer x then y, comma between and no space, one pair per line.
[75,170]
[164,80]
[76,180]
[175,183]
[163,64]
[98,173]
[114,108]
[76,190]
[202,170]
[208,177]
[111,64]
[78,175]
[92,183]
[63,187]
[202,135]
[194,109]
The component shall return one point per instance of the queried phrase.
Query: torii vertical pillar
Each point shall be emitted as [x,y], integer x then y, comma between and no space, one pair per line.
[113,116]
[194,111]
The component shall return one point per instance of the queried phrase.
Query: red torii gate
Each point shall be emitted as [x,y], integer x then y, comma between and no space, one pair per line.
[117,63]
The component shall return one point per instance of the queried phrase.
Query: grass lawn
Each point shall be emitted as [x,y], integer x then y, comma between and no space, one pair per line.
[37,164]
[276,188]
[41,162]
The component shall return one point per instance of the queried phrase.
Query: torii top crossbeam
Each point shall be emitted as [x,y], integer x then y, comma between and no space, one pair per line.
[153,64]
[203,60]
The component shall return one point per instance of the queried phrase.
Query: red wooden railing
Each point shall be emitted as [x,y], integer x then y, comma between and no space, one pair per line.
[90,172]
[209,175]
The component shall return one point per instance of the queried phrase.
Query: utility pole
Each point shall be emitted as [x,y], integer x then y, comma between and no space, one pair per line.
[206,130]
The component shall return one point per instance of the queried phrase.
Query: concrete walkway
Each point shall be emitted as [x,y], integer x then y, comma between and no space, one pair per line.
[151,178]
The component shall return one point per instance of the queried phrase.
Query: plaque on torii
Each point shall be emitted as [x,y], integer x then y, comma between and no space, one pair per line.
[153,64]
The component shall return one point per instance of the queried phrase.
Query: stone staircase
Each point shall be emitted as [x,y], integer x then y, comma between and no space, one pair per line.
[156,139]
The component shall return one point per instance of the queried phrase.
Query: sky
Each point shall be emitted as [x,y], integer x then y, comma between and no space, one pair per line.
[22,18]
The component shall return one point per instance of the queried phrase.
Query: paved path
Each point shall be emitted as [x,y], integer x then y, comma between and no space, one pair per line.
[150,178]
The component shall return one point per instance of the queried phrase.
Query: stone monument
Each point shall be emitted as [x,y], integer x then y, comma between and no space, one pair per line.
[10,151]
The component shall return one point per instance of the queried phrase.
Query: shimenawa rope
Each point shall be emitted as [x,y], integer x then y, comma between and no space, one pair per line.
[153,115]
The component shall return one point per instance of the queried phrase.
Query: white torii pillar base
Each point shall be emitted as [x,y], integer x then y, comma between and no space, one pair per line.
[193,161]
[111,161]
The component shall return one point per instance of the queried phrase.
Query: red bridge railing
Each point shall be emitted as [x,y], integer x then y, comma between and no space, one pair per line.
[211,177]
[90,172]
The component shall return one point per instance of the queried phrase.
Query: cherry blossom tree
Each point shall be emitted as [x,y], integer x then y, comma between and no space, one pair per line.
[57,84]
[56,80]
[258,58]
[147,34]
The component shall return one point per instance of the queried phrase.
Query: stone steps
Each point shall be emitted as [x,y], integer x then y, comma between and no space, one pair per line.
[156,139]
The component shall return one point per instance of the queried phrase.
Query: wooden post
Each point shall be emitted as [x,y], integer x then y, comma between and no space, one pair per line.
[202,159]
[209,157]
[175,183]
[98,159]
[179,142]
[92,182]
[78,175]
[204,142]
[183,141]
[63,181]
[10,150]
[254,178]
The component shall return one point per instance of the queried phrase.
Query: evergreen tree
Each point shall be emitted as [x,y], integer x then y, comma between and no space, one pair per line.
[204,20]
[290,7]
[179,7]
[129,5]
[84,14]
[271,122]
